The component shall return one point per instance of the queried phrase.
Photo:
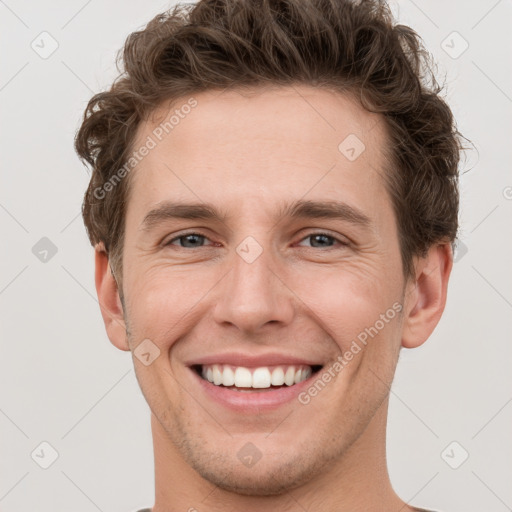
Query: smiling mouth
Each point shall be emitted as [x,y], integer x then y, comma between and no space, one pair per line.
[263,378]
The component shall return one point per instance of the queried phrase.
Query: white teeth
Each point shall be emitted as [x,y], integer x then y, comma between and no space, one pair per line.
[228,377]
[217,375]
[289,376]
[261,378]
[258,378]
[243,378]
[278,377]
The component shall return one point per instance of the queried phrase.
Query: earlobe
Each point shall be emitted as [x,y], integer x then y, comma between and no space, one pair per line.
[426,296]
[110,303]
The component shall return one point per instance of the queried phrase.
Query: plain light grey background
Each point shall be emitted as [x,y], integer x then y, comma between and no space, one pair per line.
[63,383]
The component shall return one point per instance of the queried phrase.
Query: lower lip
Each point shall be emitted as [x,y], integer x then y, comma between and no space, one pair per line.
[253,401]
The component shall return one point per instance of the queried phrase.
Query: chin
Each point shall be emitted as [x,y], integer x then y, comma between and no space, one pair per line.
[280,469]
[265,481]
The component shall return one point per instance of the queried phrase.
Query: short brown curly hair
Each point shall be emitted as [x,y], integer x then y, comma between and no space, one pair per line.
[347,46]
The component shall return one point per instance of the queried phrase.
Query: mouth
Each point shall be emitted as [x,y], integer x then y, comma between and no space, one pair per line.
[256,379]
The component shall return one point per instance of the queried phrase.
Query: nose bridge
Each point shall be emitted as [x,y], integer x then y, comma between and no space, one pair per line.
[252,295]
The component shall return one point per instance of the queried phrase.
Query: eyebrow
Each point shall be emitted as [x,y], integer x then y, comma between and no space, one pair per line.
[304,209]
[171,210]
[301,209]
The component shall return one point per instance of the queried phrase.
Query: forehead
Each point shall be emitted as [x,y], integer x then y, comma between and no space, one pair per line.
[238,146]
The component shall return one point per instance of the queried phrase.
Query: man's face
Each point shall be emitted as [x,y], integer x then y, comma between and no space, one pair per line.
[262,288]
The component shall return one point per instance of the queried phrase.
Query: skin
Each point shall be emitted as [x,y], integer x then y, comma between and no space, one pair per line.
[245,154]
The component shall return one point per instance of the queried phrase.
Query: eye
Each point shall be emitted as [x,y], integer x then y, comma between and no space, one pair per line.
[196,240]
[323,240]
[190,240]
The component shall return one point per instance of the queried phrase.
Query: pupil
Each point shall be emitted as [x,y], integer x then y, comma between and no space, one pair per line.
[324,237]
[193,239]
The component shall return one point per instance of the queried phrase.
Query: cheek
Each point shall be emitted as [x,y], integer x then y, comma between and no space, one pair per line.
[347,302]
[163,303]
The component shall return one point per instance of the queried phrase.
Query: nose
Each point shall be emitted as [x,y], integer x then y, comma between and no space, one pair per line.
[253,295]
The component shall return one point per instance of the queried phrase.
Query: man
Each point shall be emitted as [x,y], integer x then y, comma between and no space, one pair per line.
[273,205]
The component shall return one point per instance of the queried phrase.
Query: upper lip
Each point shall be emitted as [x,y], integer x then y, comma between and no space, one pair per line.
[253,361]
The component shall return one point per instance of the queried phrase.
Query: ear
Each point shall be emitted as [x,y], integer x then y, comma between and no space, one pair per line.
[426,295]
[110,302]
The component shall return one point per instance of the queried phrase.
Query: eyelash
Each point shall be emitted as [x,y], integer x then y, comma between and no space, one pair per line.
[319,233]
